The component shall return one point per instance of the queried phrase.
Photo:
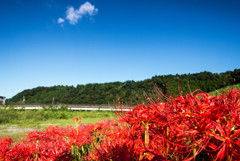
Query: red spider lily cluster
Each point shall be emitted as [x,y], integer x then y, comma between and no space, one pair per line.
[196,126]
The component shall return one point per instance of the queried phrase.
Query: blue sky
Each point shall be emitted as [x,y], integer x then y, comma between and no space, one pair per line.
[70,42]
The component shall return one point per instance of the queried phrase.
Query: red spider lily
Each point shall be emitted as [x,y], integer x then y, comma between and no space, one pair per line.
[77,122]
[77,119]
[4,147]
[227,141]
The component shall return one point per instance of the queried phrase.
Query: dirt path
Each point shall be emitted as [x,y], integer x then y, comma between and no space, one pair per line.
[9,129]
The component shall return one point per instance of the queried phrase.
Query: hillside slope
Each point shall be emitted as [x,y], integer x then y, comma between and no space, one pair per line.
[104,93]
[224,89]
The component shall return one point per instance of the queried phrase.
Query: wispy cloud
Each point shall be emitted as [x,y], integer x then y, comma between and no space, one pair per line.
[60,20]
[74,15]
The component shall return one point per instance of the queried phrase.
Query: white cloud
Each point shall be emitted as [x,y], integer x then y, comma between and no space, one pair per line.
[73,15]
[60,20]
[87,8]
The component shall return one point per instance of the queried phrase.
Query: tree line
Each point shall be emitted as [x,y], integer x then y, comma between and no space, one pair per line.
[129,91]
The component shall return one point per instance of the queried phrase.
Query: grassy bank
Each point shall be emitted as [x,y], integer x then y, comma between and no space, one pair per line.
[221,90]
[11,116]
[16,123]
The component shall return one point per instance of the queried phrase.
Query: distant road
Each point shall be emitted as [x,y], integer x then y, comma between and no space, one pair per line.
[74,108]
[61,105]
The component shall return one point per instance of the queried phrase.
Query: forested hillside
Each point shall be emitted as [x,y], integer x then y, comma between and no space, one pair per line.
[104,93]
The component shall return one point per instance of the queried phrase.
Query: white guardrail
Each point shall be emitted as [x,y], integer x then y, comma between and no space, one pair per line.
[77,108]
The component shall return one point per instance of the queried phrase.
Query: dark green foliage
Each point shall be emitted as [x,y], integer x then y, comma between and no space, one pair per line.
[105,93]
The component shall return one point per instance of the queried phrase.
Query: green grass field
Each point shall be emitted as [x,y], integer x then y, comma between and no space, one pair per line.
[214,93]
[16,123]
